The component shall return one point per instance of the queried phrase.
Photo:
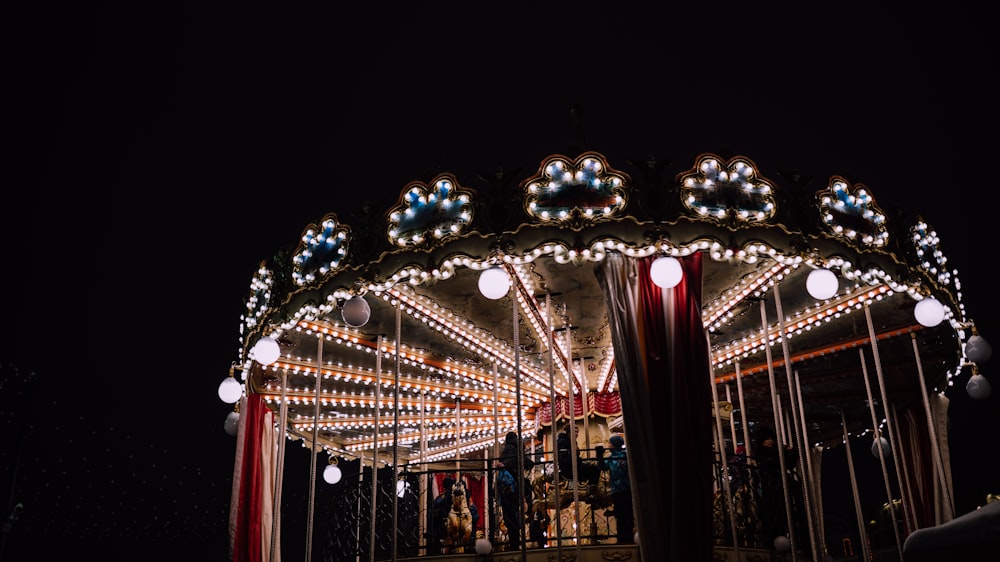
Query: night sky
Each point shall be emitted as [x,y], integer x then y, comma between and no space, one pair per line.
[160,154]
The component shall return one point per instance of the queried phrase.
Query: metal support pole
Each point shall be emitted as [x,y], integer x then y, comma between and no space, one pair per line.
[723,460]
[555,429]
[801,444]
[313,452]
[932,432]
[743,411]
[885,407]
[395,434]
[776,411]
[279,476]
[858,514]
[378,408]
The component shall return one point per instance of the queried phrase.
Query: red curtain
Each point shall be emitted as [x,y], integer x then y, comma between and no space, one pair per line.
[662,357]
[600,403]
[476,486]
[247,540]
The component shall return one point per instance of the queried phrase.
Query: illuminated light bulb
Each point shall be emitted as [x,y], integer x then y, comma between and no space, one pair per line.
[266,351]
[822,284]
[666,272]
[929,312]
[332,474]
[230,390]
[494,283]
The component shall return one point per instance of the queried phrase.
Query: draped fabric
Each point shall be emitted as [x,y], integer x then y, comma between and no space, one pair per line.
[603,404]
[251,507]
[925,489]
[662,357]
[815,480]
[234,499]
[939,404]
[268,476]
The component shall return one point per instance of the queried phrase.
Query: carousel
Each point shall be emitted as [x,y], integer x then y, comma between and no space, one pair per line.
[682,310]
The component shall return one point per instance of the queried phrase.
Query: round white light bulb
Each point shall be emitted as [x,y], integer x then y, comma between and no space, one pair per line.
[822,284]
[232,423]
[332,474]
[929,312]
[978,387]
[483,546]
[266,351]
[666,272]
[230,390]
[782,544]
[494,283]
[977,349]
[356,312]
[884,443]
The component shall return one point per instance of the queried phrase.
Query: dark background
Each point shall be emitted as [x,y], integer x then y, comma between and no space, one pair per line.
[159,153]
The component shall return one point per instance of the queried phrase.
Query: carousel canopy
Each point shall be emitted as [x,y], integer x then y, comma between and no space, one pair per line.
[391,305]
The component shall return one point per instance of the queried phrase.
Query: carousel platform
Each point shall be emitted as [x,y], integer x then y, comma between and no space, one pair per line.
[592,553]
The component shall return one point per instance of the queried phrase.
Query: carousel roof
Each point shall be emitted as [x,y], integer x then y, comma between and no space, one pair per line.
[413,271]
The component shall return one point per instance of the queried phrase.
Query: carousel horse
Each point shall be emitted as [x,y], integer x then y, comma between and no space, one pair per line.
[544,497]
[459,523]
[592,496]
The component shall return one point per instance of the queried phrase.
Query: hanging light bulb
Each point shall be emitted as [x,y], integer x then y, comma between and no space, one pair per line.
[977,349]
[356,312]
[822,284]
[230,390]
[929,312]
[494,283]
[666,272]
[232,423]
[332,472]
[483,546]
[266,351]
[882,443]
[782,544]
[978,387]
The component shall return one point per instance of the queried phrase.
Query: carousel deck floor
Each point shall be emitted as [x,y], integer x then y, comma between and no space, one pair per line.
[591,553]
